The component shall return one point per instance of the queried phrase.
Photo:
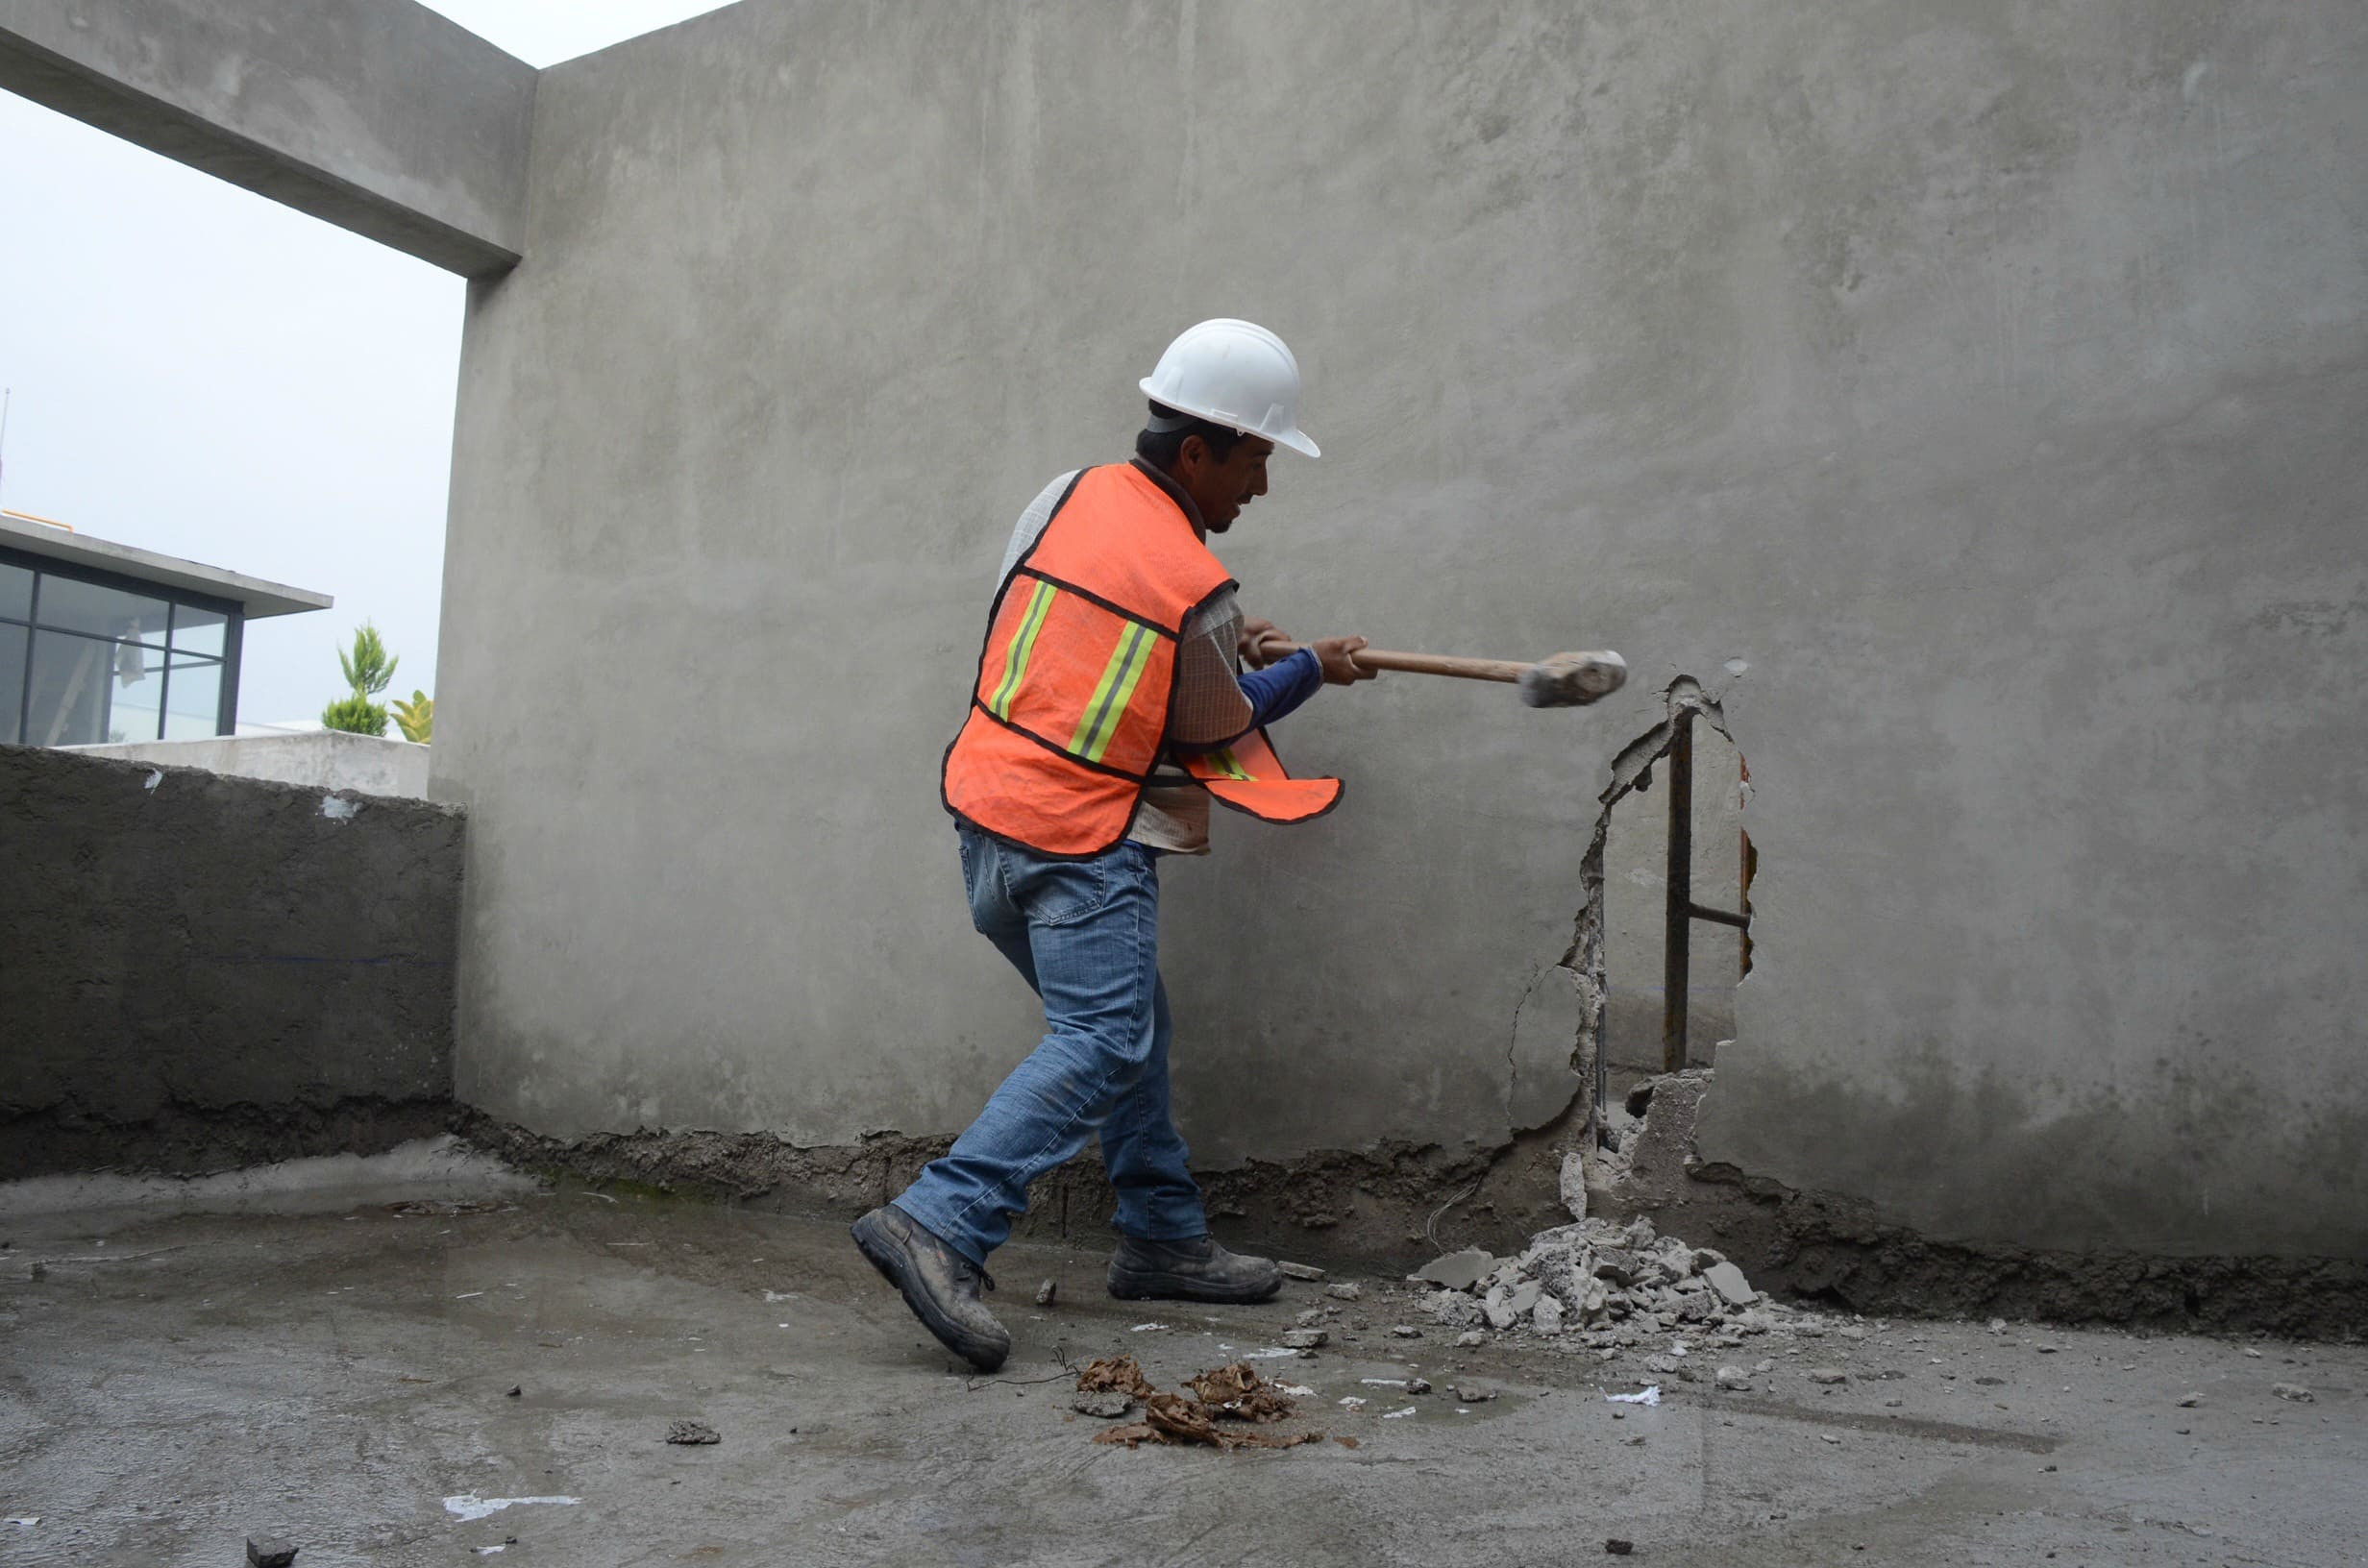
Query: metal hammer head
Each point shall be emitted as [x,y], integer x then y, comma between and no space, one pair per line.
[1572,680]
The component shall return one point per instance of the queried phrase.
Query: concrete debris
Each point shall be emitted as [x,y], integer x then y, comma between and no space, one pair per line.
[1047,1292]
[1458,1270]
[1571,1182]
[2294,1391]
[1470,1337]
[1455,1309]
[1105,1405]
[1343,1292]
[2190,1401]
[1642,1396]
[691,1433]
[1728,1281]
[1611,1285]
[1299,1271]
[1732,1377]
[1828,1375]
[270,1552]
[1405,1331]
[1304,1338]
[516,1391]
[1418,1385]
[1472,1394]
[1618,1547]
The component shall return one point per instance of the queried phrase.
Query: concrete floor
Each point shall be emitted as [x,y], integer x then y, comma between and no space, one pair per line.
[314,1363]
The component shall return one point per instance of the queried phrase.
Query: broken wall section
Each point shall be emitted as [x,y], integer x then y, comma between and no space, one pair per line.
[199,973]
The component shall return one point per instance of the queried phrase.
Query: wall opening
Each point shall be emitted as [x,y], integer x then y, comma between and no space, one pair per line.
[1673,896]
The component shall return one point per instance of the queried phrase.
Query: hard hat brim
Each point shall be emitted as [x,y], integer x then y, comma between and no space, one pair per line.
[1296,439]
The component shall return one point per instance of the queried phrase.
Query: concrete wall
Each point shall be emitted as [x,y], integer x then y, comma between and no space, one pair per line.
[1985,382]
[379,116]
[324,759]
[198,972]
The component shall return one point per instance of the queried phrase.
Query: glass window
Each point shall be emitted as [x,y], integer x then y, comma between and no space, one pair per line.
[197,631]
[16,592]
[101,612]
[12,681]
[193,707]
[72,690]
[133,693]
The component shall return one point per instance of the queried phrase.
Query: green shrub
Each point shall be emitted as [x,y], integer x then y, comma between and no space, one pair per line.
[416,719]
[367,670]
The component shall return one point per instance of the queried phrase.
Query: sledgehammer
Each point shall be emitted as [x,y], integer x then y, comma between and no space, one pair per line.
[1564,680]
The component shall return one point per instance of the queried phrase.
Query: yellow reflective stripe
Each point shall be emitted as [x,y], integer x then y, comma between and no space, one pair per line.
[1023,643]
[1144,641]
[1108,703]
[1225,764]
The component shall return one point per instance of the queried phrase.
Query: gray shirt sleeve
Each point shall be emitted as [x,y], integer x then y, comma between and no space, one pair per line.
[1033,522]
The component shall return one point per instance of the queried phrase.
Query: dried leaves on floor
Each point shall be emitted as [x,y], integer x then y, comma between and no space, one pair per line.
[1227,1395]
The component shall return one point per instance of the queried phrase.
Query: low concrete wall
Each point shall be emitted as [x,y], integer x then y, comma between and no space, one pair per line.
[323,759]
[378,115]
[198,972]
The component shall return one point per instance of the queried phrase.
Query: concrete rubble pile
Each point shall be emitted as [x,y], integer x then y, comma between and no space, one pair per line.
[1600,1286]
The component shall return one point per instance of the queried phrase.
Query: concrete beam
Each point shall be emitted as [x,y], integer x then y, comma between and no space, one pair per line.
[378,115]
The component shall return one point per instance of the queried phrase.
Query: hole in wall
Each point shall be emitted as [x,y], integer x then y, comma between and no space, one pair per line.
[1639,901]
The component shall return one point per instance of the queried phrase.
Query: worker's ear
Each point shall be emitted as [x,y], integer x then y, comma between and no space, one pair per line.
[1192,454]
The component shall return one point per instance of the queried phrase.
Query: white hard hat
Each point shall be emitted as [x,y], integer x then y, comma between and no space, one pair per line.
[1236,374]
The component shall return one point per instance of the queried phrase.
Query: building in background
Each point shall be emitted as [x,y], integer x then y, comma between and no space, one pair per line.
[103,643]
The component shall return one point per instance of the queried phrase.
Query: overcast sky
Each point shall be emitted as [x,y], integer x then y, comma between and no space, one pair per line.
[199,371]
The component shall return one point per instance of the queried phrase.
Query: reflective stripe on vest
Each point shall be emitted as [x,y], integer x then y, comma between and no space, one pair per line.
[1015,660]
[1069,714]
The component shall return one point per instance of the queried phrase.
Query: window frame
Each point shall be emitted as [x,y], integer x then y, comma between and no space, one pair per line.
[233,615]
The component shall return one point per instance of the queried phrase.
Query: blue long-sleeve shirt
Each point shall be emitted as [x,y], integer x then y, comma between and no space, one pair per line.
[1276,691]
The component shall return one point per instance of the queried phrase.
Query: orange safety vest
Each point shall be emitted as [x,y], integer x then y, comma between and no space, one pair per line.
[1077,682]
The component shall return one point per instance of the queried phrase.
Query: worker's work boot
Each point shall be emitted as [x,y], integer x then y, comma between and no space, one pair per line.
[1195,1270]
[938,1283]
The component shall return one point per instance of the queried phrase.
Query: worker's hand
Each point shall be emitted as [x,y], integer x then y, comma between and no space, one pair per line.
[1255,633]
[1339,668]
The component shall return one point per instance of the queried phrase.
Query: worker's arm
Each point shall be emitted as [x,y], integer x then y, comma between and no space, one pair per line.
[1218,707]
[1334,653]
[1275,691]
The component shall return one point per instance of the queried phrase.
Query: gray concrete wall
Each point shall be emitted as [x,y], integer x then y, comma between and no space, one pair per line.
[379,116]
[323,759]
[1987,381]
[199,971]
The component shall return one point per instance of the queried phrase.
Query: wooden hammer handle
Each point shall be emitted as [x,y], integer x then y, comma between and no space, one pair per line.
[1419,664]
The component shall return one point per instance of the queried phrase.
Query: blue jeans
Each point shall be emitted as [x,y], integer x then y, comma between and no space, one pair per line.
[1085,936]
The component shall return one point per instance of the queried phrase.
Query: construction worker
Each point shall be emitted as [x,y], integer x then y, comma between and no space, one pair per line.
[1109,709]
